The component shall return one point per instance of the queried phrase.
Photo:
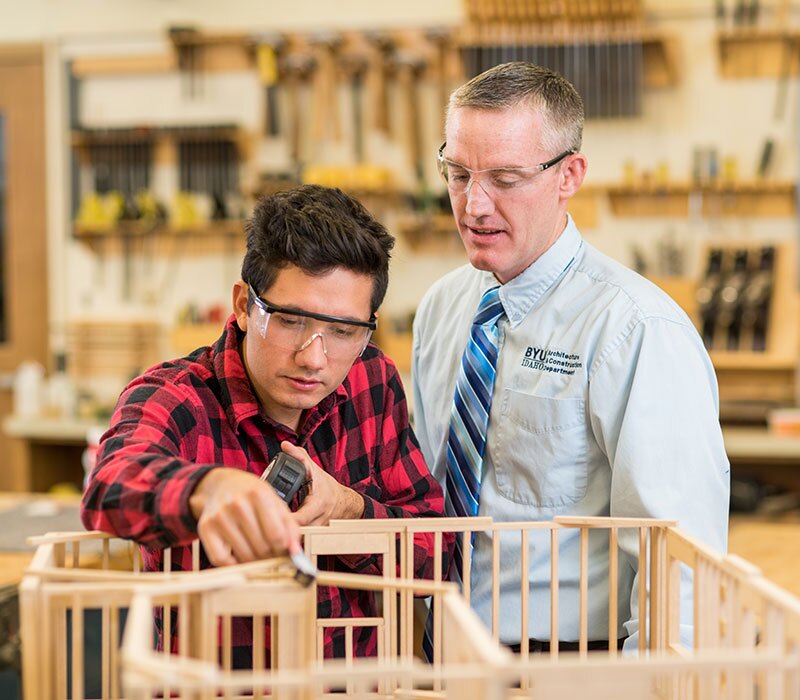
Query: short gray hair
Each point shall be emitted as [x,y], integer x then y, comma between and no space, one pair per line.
[510,84]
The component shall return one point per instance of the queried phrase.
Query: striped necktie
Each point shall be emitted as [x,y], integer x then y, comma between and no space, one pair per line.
[469,417]
[466,439]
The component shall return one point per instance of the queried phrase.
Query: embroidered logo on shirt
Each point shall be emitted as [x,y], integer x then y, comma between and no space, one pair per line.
[551,360]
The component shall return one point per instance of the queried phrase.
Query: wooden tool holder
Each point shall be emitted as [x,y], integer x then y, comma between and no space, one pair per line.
[602,47]
[748,317]
[746,630]
[206,160]
[548,12]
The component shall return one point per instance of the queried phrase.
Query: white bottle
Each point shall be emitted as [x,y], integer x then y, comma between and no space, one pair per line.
[62,398]
[28,389]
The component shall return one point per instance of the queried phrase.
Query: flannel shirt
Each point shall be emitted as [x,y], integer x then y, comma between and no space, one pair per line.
[184,417]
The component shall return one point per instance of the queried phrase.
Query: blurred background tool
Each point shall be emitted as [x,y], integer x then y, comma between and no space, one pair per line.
[267,51]
[382,47]
[354,60]
[184,42]
[296,66]
[408,67]
[326,117]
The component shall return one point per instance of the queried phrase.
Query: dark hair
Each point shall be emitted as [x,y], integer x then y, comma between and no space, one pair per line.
[316,229]
[510,84]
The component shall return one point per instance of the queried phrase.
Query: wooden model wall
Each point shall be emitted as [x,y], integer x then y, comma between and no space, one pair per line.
[746,631]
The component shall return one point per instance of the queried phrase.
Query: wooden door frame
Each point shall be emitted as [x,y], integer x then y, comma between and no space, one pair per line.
[25,276]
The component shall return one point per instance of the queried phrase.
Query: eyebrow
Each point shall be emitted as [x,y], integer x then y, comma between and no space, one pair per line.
[291,308]
[498,167]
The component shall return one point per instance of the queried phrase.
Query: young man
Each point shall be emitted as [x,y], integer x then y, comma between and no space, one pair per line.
[584,390]
[293,370]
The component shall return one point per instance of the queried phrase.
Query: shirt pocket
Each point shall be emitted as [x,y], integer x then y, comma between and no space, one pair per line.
[542,449]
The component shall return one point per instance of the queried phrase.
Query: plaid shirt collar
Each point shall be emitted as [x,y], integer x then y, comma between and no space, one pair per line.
[239,399]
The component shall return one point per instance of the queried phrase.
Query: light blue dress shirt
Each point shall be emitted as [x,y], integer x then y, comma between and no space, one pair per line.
[605,403]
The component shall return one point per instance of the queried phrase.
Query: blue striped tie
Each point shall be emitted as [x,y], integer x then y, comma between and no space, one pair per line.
[469,417]
[469,420]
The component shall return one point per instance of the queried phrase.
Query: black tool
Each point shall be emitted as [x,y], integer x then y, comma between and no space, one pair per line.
[756,298]
[286,475]
[184,39]
[728,325]
[720,11]
[765,160]
[740,13]
[708,295]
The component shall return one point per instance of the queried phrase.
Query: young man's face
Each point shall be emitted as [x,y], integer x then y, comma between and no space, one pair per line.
[289,368]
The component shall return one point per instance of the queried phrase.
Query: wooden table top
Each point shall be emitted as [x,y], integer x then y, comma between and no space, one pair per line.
[761,444]
[14,563]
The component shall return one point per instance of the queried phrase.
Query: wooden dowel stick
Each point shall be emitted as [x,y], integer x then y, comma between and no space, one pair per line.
[613,591]
[583,639]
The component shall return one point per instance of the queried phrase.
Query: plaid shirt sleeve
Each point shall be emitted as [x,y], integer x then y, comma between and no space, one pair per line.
[405,486]
[140,486]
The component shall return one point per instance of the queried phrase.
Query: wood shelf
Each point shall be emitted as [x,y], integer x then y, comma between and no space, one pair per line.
[210,52]
[225,237]
[140,229]
[743,199]
[660,61]
[162,139]
[82,138]
[433,234]
[770,362]
[135,64]
[750,52]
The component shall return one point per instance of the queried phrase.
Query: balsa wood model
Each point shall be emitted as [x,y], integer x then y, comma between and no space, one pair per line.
[746,631]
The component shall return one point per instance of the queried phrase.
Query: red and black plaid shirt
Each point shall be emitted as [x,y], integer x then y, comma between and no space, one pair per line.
[187,416]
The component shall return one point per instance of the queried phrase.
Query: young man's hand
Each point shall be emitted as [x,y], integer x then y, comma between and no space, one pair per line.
[241,518]
[327,499]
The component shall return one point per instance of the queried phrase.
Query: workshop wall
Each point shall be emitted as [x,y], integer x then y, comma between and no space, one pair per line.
[701,110]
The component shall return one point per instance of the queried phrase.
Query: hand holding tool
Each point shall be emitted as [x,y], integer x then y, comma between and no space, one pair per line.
[286,475]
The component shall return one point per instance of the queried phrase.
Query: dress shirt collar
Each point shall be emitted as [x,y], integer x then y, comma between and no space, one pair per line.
[522,293]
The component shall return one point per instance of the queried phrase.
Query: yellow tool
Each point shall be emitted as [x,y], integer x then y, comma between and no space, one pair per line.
[267,62]
[185,213]
[100,211]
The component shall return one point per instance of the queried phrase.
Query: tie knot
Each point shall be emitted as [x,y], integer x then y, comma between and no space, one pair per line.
[490,309]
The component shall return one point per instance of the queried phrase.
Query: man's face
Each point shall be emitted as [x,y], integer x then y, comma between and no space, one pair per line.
[289,381]
[504,231]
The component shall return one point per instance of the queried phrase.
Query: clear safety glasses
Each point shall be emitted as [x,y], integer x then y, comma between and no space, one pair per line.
[493,181]
[295,329]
